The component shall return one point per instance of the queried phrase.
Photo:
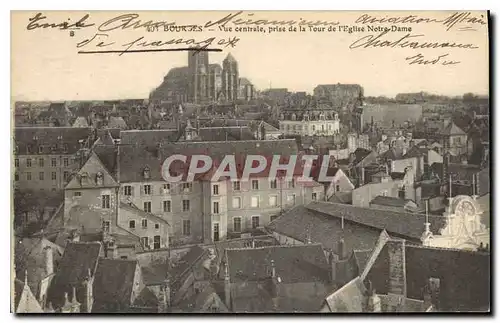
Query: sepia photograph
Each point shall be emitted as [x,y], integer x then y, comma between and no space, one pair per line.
[240,162]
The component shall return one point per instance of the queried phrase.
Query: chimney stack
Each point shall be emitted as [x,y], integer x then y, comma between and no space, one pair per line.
[49,261]
[88,297]
[227,286]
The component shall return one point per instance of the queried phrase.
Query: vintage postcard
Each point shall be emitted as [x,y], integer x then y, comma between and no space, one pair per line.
[250,162]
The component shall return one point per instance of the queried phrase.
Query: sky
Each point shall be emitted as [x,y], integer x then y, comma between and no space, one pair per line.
[45,63]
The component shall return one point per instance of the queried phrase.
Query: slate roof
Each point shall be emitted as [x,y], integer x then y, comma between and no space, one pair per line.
[349,298]
[225,134]
[401,224]
[142,213]
[464,275]
[79,258]
[305,263]
[114,281]
[53,140]
[415,152]
[149,137]
[389,201]
[117,122]
[452,130]
[134,159]
[185,263]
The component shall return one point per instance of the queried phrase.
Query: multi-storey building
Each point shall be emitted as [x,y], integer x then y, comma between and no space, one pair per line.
[310,124]
[46,157]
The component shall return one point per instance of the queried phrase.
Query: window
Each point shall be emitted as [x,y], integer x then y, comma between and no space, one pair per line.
[16,162]
[166,188]
[105,226]
[145,242]
[274,184]
[156,242]
[157,225]
[187,187]
[314,196]
[273,217]
[255,201]
[273,200]
[28,149]
[337,188]
[216,231]
[16,177]
[147,207]
[53,176]
[291,183]
[41,162]
[28,176]
[237,224]
[215,189]
[255,184]
[66,176]
[237,202]
[41,176]
[28,162]
[40,149]
[76,194]
[255,221]
[66,162]
[186,227]
[236,186]
[144,223]
[216,208]
[291,199]
[131,224]
[105,202]
[65,148]
[127,190]
[167,206]
[185,205]
[147,189]
[53,162]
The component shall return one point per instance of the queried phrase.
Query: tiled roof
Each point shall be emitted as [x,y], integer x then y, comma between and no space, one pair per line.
[53,140]
[293,264]
[114,281]
[79,258]
[401,224]
[452,129]
[142,213]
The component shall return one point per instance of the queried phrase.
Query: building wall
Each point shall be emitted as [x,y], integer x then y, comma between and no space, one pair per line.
[126,215]
[363,195]
[416,163]
[73,164]
[310,128]
[340,183]
[89,212]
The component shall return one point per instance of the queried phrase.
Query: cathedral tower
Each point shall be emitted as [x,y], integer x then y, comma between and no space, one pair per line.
[230,78]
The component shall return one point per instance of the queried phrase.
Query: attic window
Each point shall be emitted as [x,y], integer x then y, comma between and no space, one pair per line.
[99,178]
[40,149]
[84,178]
[65,148]
[28,149]
[54,147]
[147,172]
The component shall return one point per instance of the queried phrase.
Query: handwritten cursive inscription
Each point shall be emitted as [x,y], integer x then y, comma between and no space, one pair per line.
[237,19]
[407,41]
[419,59]
[38,21]
[454,20]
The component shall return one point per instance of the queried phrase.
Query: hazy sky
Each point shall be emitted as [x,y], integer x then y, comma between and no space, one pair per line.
[46,66]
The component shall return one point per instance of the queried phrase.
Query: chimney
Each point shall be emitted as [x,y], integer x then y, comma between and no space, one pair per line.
[49,261]
[88,297]
[165,297]
[273,269]
[374,302]
[227,286]
[333,259]
[74,303]
[362,176]
[387,169]
[341,249]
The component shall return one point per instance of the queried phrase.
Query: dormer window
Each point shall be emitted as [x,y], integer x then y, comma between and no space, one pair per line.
[53,148]
[40,149]
[322,117]
[84,177]
[28,149]
[306,117]
[99,178]
[65,148]
[35,137]
[294,117]
[147,172]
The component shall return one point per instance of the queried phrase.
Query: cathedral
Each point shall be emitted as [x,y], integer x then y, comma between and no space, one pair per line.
[202,82]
